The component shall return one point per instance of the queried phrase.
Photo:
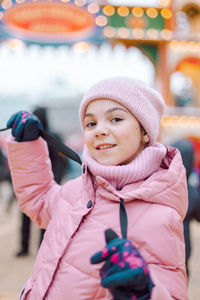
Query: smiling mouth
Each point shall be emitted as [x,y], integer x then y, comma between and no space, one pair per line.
[105,147]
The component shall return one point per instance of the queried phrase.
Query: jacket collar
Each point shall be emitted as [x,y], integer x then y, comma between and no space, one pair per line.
[145,164]
[167,186]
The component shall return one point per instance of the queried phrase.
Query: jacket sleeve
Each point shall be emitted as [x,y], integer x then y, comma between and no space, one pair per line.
[32,179]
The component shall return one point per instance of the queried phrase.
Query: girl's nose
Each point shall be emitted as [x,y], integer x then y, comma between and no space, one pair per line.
[101,131]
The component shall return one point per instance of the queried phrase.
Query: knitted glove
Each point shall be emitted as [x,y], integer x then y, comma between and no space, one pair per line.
[25,126]
[125,272]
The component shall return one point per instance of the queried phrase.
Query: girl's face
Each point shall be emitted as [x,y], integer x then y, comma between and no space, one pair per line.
[112,134]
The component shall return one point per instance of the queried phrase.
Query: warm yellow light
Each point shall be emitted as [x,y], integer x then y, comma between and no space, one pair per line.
[183,118]
[152,12]
[164,3]
[166,13]
[81,47]
[137,12]
[138,33]
[166,34]
[79,2]
[101,21]
[175,45]
[180,121]
[152,33]
[172,44]
[6,4]
[1,15]
[65,1]
[123,11]
[108,10]
[193,47]
[165,121]
[93,8]
[181,45]
[15,44]
[109,31]
[193,121]
[20,1]
[185,46]
[123,32]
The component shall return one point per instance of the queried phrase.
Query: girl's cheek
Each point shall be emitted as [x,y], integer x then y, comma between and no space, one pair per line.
[87,138]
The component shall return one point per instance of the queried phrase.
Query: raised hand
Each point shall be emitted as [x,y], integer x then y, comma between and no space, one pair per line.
[25,126]
[125,272]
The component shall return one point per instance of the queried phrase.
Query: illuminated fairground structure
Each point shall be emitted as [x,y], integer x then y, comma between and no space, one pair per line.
[168,32]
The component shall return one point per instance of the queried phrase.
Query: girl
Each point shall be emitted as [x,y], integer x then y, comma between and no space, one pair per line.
[123,168]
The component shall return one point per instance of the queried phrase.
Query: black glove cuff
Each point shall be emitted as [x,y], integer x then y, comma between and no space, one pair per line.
[127,293]
[145,294]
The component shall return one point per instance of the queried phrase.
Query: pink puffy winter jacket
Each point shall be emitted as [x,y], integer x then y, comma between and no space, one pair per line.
[77,213]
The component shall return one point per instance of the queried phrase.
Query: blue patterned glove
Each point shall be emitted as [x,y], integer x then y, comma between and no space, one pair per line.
[125,272]
[25,126]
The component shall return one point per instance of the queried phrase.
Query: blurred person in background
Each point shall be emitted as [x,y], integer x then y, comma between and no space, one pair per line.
[75,142]
[3,169]
[196,170]
[5,177]
[187,151]
[59,168]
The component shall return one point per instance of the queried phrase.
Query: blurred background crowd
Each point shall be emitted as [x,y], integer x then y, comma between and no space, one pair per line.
[50,54]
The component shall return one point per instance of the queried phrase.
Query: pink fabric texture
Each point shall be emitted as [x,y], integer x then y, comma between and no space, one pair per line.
[155,206]
[145,103]
[145,164]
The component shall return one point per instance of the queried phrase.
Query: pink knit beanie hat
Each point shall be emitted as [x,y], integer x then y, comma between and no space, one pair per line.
[145,103]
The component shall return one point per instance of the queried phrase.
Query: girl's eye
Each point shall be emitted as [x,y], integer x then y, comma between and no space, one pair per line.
[90,124]
[116,119]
